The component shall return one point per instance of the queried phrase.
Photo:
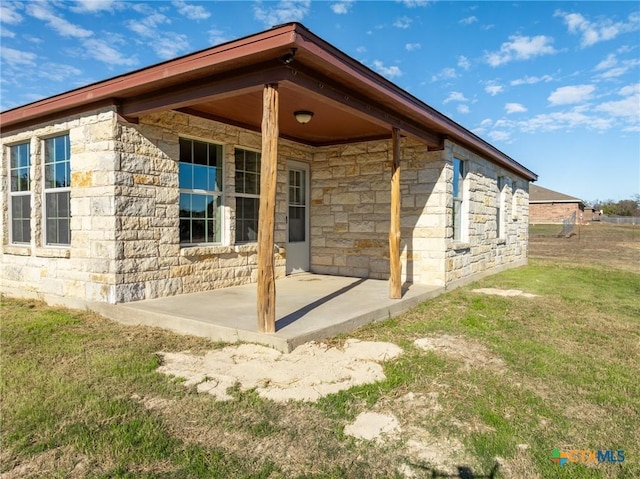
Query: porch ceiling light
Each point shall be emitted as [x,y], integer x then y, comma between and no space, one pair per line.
[303,116]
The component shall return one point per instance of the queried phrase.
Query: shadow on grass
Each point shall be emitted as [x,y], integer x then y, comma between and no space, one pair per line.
[463,472]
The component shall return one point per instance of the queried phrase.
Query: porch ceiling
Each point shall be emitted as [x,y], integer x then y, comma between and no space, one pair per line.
[332,122]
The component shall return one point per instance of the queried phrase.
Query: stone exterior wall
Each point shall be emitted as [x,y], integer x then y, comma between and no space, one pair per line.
[350,211]
[125,243]
[86,269]
[154,264]
[481,250]
[556,212]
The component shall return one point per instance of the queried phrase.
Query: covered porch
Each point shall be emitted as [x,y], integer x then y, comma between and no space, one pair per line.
[309,307]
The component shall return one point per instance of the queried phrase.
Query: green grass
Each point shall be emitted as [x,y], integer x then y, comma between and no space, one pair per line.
[73,387]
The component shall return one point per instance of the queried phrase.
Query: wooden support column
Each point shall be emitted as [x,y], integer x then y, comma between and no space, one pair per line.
[266,214]
[395,284]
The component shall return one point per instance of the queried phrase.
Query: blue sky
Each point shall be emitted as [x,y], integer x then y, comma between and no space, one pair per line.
[555,85]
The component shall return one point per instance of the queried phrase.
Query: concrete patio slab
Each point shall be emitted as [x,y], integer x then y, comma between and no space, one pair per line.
[308,307]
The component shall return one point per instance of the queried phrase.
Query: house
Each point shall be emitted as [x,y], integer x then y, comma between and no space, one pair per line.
[548,206]
[265,156]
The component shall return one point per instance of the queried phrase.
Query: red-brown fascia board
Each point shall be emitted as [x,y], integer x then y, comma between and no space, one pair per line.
[256,48]
[382,89]
[204,62]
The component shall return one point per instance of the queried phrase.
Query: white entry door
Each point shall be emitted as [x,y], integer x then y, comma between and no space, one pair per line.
[297,217]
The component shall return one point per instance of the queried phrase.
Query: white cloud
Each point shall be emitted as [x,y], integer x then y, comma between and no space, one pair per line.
[520,48]
[7,33]
[493,88]
[499,135]
[342,7]
[42,12]
[571,94]
[444,74]
[192,12]
[282,12]
[514,108]
[463,62]
[402,22]
[414,3]
[627,107]
[92,6]
[455,96]
[630,90]
[9,14]
[531,80]
[361,49]
[619,70]
[170,44]
[600,30]
[103,51]
[464,109]
[216,37]
[389,72]
[565,120]
[468,20]
[413,46]
[58,72]
[17,58]
[148,26]
[607,63]
[166,44]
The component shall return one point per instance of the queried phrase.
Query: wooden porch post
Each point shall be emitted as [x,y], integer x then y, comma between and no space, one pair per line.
[395,284]
[266,214]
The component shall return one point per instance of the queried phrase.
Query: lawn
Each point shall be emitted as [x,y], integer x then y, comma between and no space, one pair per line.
[81,397]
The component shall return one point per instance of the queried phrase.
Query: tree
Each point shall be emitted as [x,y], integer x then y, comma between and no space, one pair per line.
[629,207]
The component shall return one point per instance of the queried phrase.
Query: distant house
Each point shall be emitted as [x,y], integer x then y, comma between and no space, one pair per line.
[548,206]
[276,153]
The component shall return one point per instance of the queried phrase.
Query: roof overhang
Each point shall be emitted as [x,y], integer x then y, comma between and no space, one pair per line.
[351,102]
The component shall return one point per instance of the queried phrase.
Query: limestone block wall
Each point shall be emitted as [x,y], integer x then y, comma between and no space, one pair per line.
[147,193]
[481,249]
[86,269]
[350,211]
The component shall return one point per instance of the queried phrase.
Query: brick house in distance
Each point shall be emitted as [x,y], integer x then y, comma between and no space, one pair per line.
[548,206]
[157,182]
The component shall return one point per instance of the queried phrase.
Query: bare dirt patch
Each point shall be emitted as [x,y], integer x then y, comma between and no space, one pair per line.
[49,463]
[504,292]
[596,244]
[311,371]
[471,353]
[373,426]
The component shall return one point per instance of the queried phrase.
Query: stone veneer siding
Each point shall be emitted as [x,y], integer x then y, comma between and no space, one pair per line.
[481,250]
[86,270]
[125,213]
[350,211]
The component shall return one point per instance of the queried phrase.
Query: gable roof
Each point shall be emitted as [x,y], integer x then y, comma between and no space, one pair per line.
[538,194]
[351,102]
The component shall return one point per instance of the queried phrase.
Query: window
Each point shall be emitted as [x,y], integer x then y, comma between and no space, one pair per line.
[458,177]
[500,210]
[57,182]
[20,193]
[200,182]
[247,195]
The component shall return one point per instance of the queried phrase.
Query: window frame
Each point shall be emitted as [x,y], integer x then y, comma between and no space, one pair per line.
[501,220]
[243,194]
[55,190]
[459,175]
[219,195]
[13,194]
